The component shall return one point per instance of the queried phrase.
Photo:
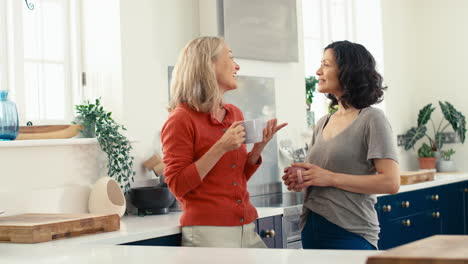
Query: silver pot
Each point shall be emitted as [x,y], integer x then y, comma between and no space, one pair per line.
[446,165]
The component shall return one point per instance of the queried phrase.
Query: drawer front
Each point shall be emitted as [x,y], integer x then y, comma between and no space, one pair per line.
[394,206]
[407,229]
[270,230]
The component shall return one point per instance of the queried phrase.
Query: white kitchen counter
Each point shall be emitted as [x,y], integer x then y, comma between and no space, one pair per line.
[102,254]
[135,228]
[440,179]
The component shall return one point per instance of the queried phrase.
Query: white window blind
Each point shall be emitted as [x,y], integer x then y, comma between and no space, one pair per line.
[39,58]
[3,60]
[325,21]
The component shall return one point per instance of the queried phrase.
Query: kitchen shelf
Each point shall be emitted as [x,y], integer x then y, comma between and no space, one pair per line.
[50,142]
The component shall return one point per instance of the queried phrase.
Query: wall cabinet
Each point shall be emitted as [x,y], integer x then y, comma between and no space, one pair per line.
[269,229]
[414,215]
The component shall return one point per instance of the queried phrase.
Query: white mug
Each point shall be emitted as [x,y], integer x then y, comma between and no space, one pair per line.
[253,130]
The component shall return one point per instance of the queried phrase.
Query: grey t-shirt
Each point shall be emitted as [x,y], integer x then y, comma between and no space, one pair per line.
[352,151]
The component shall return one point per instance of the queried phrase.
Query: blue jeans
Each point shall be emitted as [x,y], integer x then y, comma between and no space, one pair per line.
[319,233]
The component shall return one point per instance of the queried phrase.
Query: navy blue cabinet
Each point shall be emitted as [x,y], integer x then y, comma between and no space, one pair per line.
[410,216]
[465,199]
[270,230]
[454,208]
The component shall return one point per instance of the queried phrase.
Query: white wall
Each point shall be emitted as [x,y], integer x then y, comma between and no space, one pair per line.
[425,61]
[153,33]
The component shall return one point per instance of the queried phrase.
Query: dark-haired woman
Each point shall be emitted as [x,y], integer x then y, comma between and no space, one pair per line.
[352,155]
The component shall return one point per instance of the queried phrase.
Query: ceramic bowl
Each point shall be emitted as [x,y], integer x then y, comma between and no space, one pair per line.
[152,197]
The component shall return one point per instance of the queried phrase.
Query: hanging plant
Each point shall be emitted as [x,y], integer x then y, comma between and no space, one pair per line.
[99,123]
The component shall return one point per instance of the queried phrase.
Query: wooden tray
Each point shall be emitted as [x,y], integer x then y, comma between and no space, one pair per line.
[410,177]
[48,132]
[35,228]
[431,250]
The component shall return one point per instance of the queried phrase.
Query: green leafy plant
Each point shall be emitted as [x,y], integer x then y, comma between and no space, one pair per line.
[117,147]
[447,154]
[310,87]
[425,151]
[333,109]
[452,117]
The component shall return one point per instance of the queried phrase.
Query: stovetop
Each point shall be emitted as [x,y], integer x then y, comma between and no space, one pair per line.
[286,199]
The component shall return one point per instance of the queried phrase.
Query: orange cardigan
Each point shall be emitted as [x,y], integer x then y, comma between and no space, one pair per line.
[221,199]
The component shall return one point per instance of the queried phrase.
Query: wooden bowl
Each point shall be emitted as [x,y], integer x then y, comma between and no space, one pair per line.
[48,132]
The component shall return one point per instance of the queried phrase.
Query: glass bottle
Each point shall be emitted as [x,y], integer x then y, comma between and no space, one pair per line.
[9,123]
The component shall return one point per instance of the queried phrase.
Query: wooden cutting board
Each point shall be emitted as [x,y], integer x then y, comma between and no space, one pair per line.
[410,177]
[35,228]
[432,250]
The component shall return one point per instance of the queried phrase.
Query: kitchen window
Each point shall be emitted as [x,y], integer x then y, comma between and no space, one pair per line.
[325,21]
[39,55]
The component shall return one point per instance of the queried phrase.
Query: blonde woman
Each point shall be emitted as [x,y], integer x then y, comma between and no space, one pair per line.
[207,164]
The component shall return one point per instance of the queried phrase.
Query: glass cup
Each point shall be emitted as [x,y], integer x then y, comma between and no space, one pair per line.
[297,171]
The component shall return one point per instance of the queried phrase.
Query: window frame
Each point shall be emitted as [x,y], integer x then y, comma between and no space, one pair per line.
[13,50]
[325,37]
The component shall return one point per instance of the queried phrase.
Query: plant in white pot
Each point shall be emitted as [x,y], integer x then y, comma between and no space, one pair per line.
[446,163]
[452,118]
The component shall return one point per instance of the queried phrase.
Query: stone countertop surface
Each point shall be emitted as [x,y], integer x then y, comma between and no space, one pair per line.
[102,254]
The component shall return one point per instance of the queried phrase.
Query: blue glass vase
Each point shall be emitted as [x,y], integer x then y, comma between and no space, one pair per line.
[9,123]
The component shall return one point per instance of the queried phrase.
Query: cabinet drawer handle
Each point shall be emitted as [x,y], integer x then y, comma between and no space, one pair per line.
[405,204]
[269,233]
[435,197]
[407,223]
[387,208]
[436,214]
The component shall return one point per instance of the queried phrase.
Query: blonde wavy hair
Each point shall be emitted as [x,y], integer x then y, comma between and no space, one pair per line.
[194,78]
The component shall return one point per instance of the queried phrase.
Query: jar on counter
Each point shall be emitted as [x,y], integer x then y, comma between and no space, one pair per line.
[9,124]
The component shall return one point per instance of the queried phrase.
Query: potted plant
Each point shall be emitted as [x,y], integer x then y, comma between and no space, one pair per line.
[426,156]
[310,87]
[452,117]
[446,163]
[99,123]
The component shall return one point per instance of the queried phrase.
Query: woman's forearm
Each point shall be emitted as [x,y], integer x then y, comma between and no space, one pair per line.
[209,160]
[255,153]
[383,182]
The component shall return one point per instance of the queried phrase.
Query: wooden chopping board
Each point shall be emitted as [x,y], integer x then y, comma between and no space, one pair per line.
[35,228]
[410,177]
[437,249]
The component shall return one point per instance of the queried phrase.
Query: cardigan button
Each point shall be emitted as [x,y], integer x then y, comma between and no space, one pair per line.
[241,220]
[239,201]
[224,129]
[234,183]
[233,165]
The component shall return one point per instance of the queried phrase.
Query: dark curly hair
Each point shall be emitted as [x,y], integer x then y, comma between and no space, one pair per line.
[359,80]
